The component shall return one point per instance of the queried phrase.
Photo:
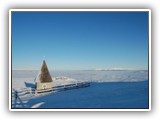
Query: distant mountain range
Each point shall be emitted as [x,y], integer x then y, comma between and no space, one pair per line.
[102,69]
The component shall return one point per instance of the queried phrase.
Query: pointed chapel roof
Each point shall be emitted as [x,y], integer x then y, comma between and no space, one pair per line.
[44,75]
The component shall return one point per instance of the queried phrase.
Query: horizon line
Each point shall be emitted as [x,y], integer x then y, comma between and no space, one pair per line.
[82,69]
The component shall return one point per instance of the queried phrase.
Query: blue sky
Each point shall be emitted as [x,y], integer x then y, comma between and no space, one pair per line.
[80,40]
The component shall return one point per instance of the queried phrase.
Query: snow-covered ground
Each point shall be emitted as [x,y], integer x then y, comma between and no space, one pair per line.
[108,89]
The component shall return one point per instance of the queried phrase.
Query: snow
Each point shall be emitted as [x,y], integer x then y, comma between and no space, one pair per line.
[108,89]
[37,105]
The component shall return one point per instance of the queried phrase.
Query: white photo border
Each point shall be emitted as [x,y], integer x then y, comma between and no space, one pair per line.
[78,10]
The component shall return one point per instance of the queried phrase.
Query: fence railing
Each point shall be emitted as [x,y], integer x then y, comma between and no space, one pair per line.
[20,95]
[64,87]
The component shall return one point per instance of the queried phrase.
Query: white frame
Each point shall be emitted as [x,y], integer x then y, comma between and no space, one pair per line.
[121,10]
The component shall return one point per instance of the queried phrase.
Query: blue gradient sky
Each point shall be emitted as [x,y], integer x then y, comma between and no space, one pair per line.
[80,40]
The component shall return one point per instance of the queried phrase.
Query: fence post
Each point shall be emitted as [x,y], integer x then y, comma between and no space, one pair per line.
[16,98]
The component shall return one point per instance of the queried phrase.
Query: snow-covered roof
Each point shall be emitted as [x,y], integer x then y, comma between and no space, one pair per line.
[44,75]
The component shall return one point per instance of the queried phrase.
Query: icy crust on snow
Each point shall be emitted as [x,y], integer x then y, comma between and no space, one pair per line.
[21,76]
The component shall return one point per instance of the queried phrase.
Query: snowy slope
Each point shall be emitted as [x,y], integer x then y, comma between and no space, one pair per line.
[99,95]
[109,89]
